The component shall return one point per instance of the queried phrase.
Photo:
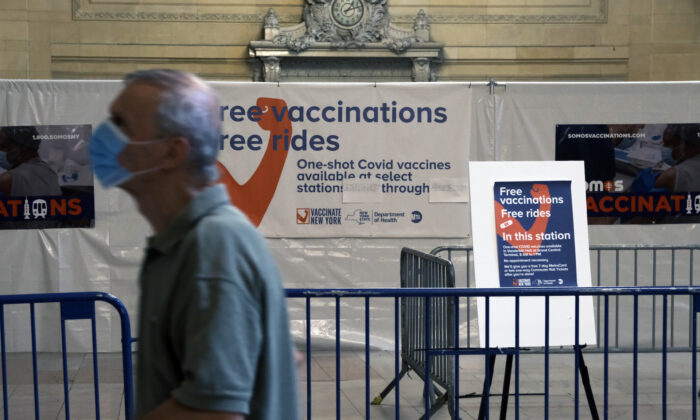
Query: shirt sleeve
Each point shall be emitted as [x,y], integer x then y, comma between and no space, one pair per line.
[223,339]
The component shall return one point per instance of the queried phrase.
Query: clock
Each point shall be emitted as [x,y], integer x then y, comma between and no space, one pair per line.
[347,13]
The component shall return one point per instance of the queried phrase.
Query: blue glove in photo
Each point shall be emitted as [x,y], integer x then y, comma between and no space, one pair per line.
[644,182]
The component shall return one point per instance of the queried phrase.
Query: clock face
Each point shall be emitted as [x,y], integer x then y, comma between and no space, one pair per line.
[347,13]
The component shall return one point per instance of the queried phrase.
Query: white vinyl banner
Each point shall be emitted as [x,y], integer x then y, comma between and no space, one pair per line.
[517,123]
[328,160]
[527,114]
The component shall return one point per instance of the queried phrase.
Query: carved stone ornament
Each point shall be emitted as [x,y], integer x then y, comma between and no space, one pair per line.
[348,24]
[348,40]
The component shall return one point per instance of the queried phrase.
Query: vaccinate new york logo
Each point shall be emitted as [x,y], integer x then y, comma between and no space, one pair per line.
[303,216]
[254,197]
[319,216]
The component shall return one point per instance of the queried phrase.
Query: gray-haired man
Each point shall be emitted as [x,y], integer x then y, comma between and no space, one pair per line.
[214,338]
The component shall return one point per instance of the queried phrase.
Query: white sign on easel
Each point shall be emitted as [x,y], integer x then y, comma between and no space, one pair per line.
[530,230]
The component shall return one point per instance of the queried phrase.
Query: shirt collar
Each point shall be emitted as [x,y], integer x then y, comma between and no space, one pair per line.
[203,203]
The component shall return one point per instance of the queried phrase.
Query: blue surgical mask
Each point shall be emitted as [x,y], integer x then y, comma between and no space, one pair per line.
[4,163]
[106,143]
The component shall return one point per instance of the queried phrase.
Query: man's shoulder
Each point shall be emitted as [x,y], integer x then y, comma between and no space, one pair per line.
[227,221]
[228,247]
[227,230]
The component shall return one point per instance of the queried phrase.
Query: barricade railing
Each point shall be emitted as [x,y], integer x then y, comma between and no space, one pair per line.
[73,306]
[607,294]
[420,270]
[614,265]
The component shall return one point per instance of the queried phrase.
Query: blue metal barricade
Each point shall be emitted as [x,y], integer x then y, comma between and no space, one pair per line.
[611,265]
[421,270]
[616,265]
[437,352]
[73,306]
[606,294]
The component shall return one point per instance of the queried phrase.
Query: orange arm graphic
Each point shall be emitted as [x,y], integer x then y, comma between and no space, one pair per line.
[254,197]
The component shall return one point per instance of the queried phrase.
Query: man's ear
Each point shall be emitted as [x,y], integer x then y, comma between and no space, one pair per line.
[178,150]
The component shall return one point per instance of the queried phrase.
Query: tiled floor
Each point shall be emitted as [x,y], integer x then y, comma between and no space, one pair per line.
[352,395]
[20,389]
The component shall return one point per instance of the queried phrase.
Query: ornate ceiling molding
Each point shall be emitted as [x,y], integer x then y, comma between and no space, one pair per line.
[86,10]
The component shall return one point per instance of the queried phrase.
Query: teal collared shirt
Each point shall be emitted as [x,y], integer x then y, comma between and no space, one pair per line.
[213,329]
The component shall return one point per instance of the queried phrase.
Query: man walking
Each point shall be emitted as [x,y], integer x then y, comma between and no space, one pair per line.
[214,340]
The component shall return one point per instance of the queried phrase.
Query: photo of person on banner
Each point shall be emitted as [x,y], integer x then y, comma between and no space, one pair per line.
[45,178]
[684,141]
[683,176]
[26,174]
[635,173]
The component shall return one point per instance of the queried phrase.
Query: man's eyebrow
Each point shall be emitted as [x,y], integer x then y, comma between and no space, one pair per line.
[117,119]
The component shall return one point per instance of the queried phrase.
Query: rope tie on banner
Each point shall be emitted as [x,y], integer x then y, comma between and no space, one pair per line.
[492,84]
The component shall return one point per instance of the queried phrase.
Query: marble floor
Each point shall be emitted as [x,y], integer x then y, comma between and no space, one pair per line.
[352,397]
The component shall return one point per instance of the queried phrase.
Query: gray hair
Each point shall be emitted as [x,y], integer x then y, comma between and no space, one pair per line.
[188,108]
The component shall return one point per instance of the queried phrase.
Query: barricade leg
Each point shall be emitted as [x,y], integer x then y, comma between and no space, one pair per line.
[586,379]
[693,376]
[487,388]
[379,398]
[437,400]
[506,386]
